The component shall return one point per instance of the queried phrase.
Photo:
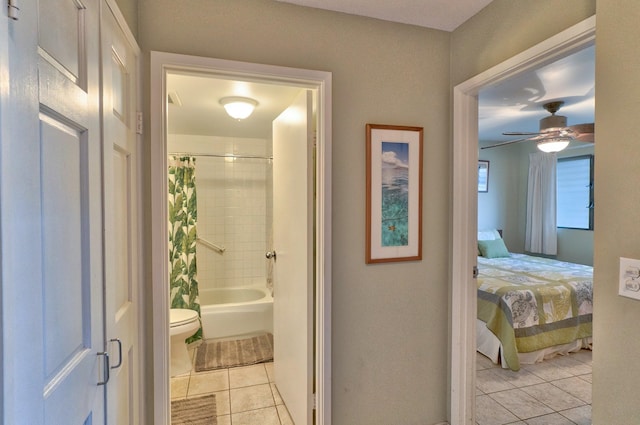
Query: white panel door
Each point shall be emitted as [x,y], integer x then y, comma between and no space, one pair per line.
[293,265]
[121,215]
[52,219]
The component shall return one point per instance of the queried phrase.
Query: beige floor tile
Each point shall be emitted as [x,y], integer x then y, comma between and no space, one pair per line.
[489,381]
[285,418]
[572,365]
[490,412]
[251,398]
[223,404]
[208,382]
[576,387]
[521,404]
[267,416]
[552,419]
[585,356]
[247,376]
[553,397]
[179,386]
[269,368]
[579,415]
[483,362]
[587,377]
[521,378]
[547,371]
[276,394]
[224,420]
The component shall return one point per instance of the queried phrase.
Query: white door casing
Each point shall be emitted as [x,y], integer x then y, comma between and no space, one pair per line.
[294,262]
[464,213]
[161,63]
[51,218]
[121,215]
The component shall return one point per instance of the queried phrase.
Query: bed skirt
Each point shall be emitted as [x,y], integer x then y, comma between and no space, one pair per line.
[489,345]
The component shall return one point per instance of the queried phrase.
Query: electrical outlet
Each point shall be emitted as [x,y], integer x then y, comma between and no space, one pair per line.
[629,278]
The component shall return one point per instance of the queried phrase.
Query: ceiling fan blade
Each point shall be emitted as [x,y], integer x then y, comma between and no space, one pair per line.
[506,143]
[583,132]
[519,133]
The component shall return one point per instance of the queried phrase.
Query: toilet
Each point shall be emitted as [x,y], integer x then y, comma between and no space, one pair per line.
[183,324]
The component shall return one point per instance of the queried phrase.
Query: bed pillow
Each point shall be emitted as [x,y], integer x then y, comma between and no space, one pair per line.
[488,235]
[493,248]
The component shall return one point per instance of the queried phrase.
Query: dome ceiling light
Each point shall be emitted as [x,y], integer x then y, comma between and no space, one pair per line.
[237,107]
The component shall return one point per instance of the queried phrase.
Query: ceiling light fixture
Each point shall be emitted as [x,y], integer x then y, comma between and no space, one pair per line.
[553,145]
[238,108]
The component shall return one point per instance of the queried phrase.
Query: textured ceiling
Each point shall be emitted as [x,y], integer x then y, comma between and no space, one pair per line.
[444,15]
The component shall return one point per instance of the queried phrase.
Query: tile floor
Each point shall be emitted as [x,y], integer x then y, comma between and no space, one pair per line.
[554,392]
[244,395]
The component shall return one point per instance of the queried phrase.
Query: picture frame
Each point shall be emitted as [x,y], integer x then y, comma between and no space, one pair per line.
[394,193]
[483,176]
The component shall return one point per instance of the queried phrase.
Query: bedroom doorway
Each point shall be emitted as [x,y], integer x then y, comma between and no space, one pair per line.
[465,206]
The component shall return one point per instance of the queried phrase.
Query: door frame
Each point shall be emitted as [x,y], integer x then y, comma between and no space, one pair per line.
[162,62]
[465,205]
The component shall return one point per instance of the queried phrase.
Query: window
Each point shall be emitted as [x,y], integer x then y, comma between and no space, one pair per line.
[575,192]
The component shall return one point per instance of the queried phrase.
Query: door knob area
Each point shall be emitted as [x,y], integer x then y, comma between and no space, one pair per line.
[271,254]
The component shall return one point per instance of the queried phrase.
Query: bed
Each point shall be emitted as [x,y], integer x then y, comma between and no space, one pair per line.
[531,308]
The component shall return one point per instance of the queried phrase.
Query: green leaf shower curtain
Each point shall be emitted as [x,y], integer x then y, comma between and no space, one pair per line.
[183,215]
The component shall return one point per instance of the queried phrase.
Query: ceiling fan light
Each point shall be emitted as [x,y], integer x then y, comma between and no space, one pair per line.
[238,108]
[553,145]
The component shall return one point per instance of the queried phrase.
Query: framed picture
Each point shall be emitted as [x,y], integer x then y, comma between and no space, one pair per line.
[394,193]
[483,176]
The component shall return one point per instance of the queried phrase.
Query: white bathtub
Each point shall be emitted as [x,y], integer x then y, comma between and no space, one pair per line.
[228,312]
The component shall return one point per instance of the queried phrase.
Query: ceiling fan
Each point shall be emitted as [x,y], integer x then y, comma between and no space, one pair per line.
[554,134]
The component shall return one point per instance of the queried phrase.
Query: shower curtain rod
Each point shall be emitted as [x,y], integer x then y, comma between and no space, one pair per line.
[214,155]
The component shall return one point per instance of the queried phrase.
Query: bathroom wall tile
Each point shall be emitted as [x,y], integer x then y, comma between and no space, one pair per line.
[251,398]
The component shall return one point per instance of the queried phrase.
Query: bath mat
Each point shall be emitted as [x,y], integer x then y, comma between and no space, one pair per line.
[212,355]
[194,411]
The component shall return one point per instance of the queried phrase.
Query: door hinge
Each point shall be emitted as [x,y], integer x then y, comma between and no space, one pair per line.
[313,401]
[12,9]
[138,122]
[475,272]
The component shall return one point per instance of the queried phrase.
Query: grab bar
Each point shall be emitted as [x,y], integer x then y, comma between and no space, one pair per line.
[218,248]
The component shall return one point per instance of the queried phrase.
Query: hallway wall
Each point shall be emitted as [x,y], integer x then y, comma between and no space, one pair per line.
[389,345]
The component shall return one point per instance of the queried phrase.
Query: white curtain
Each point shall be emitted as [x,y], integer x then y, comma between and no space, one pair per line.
[541,233]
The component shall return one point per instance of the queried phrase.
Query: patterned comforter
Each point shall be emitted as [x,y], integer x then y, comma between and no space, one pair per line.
[531,303]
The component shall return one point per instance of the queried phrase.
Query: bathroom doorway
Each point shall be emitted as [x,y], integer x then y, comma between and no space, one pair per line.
[310,349]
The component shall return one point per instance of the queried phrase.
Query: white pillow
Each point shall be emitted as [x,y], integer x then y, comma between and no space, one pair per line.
[488,235]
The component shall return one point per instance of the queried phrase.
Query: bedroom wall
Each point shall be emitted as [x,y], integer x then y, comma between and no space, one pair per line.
[390,334]
[615,368]
[505,205]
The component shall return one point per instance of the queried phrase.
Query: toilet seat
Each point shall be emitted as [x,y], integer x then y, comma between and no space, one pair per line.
[182,316]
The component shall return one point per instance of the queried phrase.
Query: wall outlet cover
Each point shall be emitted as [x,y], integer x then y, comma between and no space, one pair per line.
[629,278]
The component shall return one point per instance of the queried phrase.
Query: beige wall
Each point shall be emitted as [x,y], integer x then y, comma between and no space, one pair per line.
[390,334]
[616,372]
[389,320]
